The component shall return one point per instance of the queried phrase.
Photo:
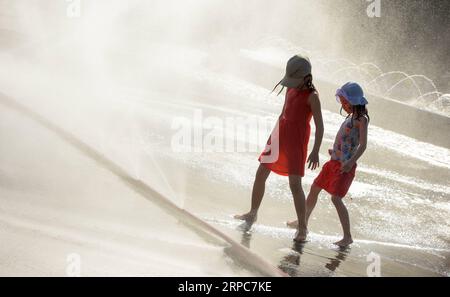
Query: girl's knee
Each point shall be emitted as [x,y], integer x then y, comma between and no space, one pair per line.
[262,173]
[295,183]
[295,187]
[336,200]
[315,190]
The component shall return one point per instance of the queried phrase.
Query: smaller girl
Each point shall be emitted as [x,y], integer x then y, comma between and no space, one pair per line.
[350,143]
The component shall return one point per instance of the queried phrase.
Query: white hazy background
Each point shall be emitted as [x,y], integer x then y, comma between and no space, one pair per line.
[116,75]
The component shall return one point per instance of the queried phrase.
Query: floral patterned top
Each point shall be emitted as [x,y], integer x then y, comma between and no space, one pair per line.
[347,141]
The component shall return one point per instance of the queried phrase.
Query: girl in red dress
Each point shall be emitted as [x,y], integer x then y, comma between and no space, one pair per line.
[286,149]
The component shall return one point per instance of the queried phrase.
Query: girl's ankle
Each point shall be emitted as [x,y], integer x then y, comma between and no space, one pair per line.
[302,226]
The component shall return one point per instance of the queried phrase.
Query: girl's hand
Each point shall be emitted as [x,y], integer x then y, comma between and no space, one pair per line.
[347,166]
[313,160]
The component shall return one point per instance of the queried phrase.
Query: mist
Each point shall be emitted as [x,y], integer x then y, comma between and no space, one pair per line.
[110,77]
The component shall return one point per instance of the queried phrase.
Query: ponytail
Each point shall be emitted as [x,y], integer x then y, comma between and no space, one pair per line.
[309,82]
[276,87]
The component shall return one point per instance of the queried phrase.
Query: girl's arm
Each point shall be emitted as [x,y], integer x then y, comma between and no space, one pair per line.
[314,102]
[363,124]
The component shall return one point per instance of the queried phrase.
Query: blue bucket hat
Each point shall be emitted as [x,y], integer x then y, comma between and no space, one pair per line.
[353,93]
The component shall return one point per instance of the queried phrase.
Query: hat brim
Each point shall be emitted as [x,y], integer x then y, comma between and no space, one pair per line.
[340,92]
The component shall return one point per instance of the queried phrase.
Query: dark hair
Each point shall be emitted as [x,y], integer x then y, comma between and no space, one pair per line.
[307,80]
[358,112]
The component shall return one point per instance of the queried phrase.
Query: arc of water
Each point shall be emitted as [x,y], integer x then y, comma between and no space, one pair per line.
[439,94]
[378,69]
[412,78]
[386,74]
[372,65]
[406,77]
[444,96]
[369,72]
[441,99]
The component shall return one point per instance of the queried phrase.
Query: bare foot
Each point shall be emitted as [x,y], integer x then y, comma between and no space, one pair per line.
[300,235]
[292,224]
[249,217]
[344,242]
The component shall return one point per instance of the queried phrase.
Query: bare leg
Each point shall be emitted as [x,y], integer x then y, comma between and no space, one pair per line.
[345,221]
[311,202]
[295,183]
[259,186]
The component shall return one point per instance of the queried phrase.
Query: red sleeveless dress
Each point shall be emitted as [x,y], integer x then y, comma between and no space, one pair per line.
[287,146]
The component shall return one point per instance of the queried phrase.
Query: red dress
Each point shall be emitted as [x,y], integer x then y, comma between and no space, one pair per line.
[286,149]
